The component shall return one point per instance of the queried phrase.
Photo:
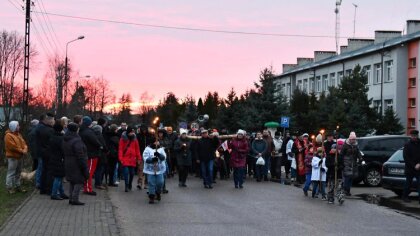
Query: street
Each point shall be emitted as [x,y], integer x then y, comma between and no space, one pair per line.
[260,208]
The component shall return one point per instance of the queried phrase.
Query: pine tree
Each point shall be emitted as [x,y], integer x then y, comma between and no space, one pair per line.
[389,123]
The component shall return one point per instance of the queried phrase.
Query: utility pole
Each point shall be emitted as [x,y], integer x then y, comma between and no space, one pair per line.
[25,113]
[354,20]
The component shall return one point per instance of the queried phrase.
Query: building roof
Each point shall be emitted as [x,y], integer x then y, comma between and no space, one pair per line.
[355,53]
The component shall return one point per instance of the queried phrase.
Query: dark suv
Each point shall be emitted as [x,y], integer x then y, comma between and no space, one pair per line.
[376,150]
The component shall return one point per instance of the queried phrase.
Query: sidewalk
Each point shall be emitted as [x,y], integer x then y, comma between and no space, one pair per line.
[42,216]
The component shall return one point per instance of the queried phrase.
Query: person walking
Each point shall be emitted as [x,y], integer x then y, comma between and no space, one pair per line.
[56,165]
[259,149]
[350,156]
[206,153]
[240,149]
[182,149]
[308,170]
[154,167]
[16,149]
[94,148]
[129,156]
[75,162]
[411,156]
[319,174]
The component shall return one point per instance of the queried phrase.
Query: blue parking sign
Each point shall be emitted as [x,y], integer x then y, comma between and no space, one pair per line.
[284,122]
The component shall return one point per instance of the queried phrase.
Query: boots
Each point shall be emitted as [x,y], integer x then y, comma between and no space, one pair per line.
[158,197]
[151,198]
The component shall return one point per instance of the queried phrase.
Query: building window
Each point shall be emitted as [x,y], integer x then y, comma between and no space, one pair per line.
[412,62]
[388,71]
[389,104]
[368,72]
[299,85]
[332,80]
[412,123]
[312,85]
[318,84]
[378,70]
[305,85]
[325,83]
[348,72]
[339,77]
[377,105]
[412,82]
[412,102]
[288,86]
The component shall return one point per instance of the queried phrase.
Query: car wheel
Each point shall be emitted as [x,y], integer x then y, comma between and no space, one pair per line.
[398,192]
[373,177]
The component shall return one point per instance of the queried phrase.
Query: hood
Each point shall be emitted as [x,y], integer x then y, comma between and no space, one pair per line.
[124,136]
[348,143]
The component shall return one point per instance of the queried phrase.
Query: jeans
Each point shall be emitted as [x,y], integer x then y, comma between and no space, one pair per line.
[259,170]
[38,173]
[238,176]
[155,183]
[57,187]
[307,182]
[183,174]
[315,185]
[348,181]
[14,167]
[99,174]
[207,172]
[408,182]
[74,192]
[128,172]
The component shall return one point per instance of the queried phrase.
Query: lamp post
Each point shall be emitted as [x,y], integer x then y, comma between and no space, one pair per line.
[61,84]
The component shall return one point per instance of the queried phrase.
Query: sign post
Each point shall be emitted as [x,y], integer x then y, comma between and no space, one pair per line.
[284,123]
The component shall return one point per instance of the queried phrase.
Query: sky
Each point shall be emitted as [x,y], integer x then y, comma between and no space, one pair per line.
[137,59]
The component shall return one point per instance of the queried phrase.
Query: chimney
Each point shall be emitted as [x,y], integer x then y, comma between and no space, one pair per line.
[354,43]
[413,26]
[343,49]
[383,35]
[288,67]
[304,60]
[321,55]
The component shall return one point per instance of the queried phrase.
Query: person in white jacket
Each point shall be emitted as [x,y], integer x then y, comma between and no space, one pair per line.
[154,158]
[319,174]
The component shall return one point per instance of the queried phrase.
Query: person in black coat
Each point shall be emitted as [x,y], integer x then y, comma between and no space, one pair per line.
[145,139]
[75,162]
[112,140]
[56,164]
[411,156]
[205,151]
[33,144]
[43,133]
[94,149]
[102,158]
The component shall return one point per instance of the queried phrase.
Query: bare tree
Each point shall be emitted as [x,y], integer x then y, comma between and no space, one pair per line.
[98,94]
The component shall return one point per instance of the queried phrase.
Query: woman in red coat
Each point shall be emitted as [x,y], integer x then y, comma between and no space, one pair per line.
[129,156]
[240,149]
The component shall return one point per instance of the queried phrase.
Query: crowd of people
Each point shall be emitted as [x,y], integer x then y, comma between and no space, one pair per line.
[94,155]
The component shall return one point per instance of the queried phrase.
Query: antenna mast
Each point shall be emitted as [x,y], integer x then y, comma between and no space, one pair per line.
[354,20]
[337,24]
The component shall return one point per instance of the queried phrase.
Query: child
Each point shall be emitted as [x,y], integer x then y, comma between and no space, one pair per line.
[319,174]
[308,169]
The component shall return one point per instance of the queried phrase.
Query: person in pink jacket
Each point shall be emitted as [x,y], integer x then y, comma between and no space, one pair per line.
[129,156]
[240,149]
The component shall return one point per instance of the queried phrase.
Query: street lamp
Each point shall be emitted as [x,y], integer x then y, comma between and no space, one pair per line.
[66,69]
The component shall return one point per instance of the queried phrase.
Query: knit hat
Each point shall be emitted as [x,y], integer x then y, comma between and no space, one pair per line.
[241,131]
[87,121]
[13,125]
[318,138]
[102,121]
[113,127]
[204,131]
[72,127]
[305,135]
[129,129]
[183,131]
[352,135]
[97,128]
[34,122]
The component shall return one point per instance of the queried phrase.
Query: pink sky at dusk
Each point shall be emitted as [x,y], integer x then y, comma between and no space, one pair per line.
[137,59]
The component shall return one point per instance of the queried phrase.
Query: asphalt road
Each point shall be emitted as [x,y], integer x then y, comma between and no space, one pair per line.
[259,209]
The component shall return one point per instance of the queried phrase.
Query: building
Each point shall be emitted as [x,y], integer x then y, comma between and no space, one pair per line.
[390,61]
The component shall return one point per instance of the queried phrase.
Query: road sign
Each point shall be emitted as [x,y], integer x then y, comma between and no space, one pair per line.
[284,122]
[183,125]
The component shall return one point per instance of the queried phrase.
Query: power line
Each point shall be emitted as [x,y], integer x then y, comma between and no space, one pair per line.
[13,3]
[49,23]
[39,37]
[188,28]
[46,34]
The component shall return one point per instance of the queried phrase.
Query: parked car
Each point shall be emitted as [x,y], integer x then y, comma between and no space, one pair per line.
[376,150]
[393,171]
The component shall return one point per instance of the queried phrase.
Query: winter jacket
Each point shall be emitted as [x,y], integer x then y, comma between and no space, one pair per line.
[308,163]
[183,152]
[240,149]
[144,139]
[259,146]
[151,168]
[411,154]
[206,148]
[32,143]
[277,146]
[56,155]
[128,151]
[75,158]
[289,149]
[112,141]
[43,134]
[350,156]
[102,152]
[319,171]
[14,144]
[330,162]
[91,141]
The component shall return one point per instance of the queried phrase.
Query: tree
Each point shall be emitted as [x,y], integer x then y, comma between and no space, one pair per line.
[124,104]
[77,103]
[211,106]
[98,94]
[169,110]
[190,113]
[389,123]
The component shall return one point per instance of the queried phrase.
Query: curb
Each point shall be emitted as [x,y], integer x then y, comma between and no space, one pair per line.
[17,210]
